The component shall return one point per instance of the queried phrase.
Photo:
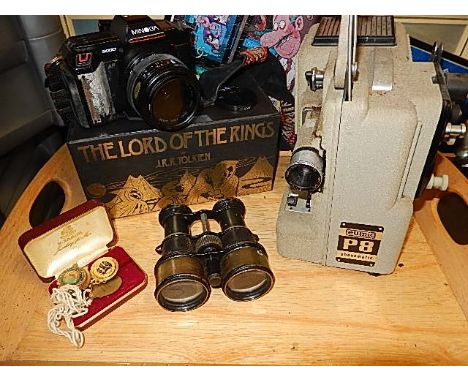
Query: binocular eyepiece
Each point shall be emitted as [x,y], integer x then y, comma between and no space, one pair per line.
[190,266]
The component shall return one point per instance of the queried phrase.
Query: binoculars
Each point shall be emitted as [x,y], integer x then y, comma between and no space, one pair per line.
[190,266]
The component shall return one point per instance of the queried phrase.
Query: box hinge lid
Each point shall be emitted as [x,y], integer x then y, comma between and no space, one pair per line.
[76,241]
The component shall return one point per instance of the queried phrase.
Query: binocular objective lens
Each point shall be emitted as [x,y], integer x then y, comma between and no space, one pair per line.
[248,282]
[183,292]
[181,283]
[246,274]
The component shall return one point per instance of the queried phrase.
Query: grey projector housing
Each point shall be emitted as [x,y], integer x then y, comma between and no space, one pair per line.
[373,149]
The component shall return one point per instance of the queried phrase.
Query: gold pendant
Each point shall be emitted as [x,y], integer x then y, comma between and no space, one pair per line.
[102,290]
[75,276]
[104,269]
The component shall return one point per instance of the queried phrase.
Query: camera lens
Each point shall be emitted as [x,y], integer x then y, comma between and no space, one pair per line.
[169,101]
[163,91]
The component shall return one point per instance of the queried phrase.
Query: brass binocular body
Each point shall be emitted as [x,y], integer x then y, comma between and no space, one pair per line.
[190,266]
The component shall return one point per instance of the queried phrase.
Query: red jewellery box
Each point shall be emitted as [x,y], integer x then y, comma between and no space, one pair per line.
[79,237]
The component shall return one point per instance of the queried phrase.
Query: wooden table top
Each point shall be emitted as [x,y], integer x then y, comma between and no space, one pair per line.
[313,315]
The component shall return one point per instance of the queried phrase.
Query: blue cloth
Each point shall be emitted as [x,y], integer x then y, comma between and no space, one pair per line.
[421,55]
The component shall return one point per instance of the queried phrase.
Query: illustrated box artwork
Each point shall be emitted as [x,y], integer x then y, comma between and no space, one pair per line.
[134,169]
[218,37]
[283,36]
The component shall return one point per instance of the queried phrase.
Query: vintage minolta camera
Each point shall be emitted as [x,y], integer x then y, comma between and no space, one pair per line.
[369,121]
[138,68]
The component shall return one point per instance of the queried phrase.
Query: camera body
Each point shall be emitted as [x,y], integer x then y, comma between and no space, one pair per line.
[360,161]
[137,68]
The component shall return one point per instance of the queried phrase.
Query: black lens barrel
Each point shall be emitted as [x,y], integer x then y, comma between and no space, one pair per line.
[161,82]
[175,218]
[230,213]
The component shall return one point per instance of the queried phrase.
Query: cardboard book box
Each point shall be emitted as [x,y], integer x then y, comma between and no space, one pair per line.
[134,169]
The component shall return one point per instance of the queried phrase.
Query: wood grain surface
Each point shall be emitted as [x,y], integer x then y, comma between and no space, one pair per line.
[452,257]
[313,315]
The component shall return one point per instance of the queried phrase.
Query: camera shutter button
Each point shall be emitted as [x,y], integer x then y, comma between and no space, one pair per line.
[83,59]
